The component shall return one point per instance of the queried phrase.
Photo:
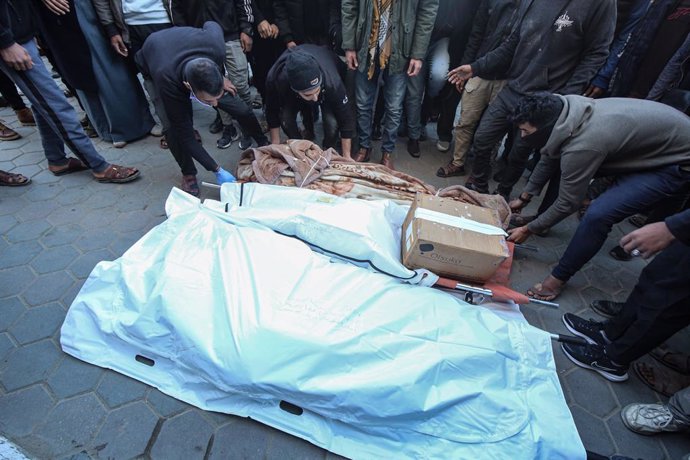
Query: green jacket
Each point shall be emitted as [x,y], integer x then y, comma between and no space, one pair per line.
[413,21]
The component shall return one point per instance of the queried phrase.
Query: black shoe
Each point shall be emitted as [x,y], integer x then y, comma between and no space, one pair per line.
[619,253]
[470,184]
[606,308]
[413,148]
[376,133]
[216,126]
[245,142]
[594,357]
[590,330]
[230,134]
[3,102]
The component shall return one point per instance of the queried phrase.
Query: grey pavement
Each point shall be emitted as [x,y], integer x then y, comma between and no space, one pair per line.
[54,232]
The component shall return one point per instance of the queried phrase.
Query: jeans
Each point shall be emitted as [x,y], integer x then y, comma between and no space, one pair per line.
[288,121]
[631,193]
[55,117]
[657,308]
[393,95]
[430,79]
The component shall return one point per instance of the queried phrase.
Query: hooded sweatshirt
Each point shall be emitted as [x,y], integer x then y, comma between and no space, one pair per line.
[606,137]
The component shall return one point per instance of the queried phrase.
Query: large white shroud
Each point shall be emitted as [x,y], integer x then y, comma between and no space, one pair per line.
[230,316]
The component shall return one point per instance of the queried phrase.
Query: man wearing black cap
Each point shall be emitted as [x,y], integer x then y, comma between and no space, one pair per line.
[304,75]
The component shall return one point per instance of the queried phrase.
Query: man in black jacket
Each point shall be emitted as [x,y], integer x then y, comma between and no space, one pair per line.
[303,76]
[558,46]
[186,64]
[236,19]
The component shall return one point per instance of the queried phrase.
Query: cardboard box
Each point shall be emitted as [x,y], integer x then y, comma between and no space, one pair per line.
[452,239]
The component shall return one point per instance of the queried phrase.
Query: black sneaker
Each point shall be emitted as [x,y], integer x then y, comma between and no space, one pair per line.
[413,148]
[594,357]
[230,134]
[246,142]
[216,126]
[590,330]
[606,308]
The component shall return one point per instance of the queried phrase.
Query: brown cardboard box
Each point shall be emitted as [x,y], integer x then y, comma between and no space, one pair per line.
[434,238]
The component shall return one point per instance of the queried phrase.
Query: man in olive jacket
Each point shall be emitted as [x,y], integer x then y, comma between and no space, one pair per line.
[388,38]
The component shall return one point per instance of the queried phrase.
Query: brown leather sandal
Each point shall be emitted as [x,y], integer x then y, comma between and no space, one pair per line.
[13,180]
[118,174]
[451,170]
[660,379]
[73,165]
[679,362]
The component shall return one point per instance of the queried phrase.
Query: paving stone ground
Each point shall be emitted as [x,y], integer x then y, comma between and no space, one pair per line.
[56,230]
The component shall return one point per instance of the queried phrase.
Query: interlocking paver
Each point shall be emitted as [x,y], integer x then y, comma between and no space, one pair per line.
[591,393]
[11,308]
[36,210]
[184,436]
[26,231]
[14,280]
[83,265]
[633,444]
[7,221]
[126,432]
[29,364]
[165,405]
[116,389]
[288,447]
[594,431]
[47,288]
[6,345]
[72,424]
[73,377]
[54,259]
[64,234]
[22,410]
[19,253]
[38,323]
[242,438]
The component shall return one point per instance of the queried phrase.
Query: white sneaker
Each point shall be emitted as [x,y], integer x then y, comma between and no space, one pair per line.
[157,130]
[442,146]
[650,419]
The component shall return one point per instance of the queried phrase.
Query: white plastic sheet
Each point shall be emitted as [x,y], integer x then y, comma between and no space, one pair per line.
[236,318]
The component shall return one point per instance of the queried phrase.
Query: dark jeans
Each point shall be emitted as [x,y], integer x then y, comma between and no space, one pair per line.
[630,194]
[288,121]
[657,308]
[10,93]
[448,104]
[265,52]
[495,124]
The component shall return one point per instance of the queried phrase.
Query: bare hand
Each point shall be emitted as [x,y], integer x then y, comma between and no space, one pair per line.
[229,87]
[274,31]
[291,45]
[59,7]
[17,57]
[119,45]
[516,205]
[519,235]
[246,42]
[649,239]
[264,29]
[594,92]
[351,58]
[414,68]
[459,75]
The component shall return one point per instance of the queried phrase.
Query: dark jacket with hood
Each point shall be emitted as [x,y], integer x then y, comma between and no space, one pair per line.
[162,59]
[233,16]
[17,23]
[303,21]
[557,46]
[606,137]
[491,26]
[333,93]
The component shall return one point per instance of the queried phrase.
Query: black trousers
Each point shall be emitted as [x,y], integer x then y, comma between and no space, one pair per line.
[657,308]
[448,102]
[288,121]
[10,93]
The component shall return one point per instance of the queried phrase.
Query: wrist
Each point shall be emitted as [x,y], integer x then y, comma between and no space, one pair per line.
[525,197]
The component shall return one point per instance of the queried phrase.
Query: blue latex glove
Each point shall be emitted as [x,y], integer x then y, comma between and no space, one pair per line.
[223,176]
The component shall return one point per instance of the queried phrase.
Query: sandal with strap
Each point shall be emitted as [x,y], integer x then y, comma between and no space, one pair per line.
[451,170]
[679,362]
[73,165]
[538,291]
[118,174]
[660,379]
[13,180]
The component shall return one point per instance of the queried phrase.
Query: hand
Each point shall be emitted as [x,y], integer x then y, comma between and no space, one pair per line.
[119,45]
[649,239]
[414,68]
[459,75]
[264,29]
[594,92]
[17,57]
[274,31]
[516,205]
[222,176]
[229,87]
[519,235]
[291,45]
[59,7]
[246,42]
[351,58]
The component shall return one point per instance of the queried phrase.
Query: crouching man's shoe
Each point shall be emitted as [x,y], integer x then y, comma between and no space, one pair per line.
[594,357]
[651,419]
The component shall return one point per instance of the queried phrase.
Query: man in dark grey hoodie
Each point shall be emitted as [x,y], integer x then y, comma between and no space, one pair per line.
[645,144]
[556,46]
